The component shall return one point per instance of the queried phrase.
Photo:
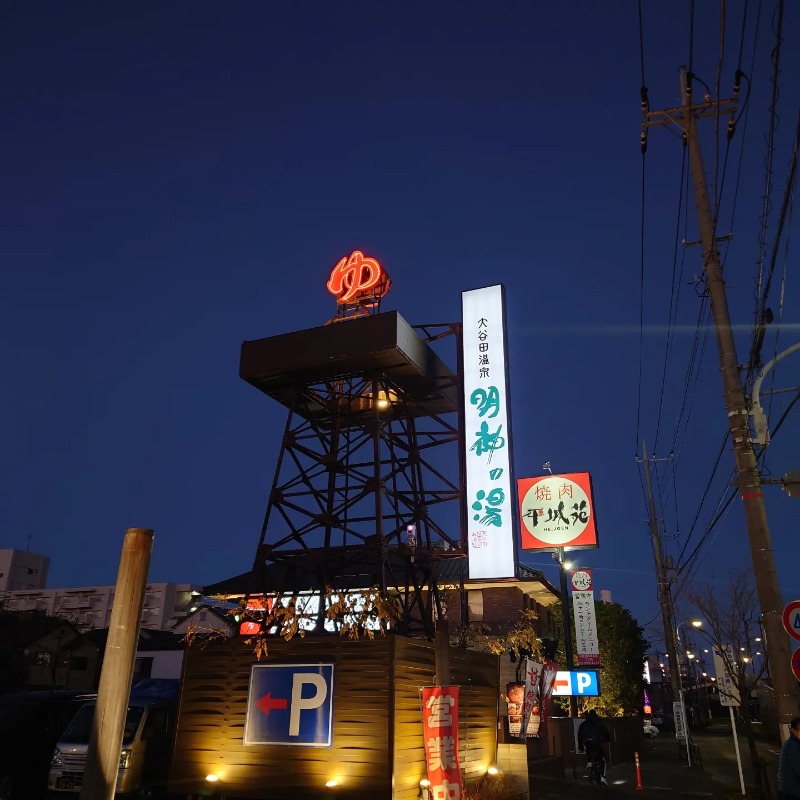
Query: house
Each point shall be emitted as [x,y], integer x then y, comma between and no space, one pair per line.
[39,646]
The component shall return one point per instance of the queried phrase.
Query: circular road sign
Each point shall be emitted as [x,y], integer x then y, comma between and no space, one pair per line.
[791,619]
[796,664]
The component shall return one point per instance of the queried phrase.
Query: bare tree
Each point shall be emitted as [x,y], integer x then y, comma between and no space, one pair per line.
[731,625]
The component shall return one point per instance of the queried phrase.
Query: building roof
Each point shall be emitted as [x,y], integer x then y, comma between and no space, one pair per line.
[350,569]
[19,628]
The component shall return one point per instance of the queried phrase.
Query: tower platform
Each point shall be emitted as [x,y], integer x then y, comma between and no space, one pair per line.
[383,346]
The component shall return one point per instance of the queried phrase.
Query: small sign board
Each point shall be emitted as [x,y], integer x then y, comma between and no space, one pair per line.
[680,721]
[581,683]
[290,704]
[728,690]
[796,664]
[791,619]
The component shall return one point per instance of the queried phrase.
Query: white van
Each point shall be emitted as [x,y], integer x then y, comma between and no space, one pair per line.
[144,760]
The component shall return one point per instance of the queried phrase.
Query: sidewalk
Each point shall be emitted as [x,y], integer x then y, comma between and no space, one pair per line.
[663,776]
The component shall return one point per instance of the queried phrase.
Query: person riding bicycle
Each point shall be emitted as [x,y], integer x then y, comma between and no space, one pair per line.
[592,734]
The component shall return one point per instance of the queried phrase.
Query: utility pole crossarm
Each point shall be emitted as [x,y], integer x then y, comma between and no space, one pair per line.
[676,116]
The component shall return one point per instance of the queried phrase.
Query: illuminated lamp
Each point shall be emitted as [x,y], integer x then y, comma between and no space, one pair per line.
[212,777]
[385,399]
[493,770]
[249,628]
[331,783]
[424,783]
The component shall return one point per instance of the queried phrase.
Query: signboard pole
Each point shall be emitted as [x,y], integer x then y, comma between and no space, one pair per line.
[573,701]
[736,745]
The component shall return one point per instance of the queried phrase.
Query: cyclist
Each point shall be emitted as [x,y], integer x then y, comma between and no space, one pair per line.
[592,734]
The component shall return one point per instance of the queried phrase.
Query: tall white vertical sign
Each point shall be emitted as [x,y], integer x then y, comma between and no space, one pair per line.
[490,505]
[586,642]
[728,690]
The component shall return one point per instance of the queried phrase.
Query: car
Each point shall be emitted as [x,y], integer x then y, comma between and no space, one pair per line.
[30,725]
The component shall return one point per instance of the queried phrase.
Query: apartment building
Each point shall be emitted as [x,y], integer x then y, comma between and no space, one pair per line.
[20,569]
[89,607]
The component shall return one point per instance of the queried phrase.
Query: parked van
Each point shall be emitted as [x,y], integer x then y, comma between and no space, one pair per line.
[144,759]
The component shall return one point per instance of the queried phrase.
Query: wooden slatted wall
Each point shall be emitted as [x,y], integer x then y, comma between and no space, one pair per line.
[476,674]
[371,678]
[211,720]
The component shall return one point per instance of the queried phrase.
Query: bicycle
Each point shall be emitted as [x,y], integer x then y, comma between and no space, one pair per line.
[594,772]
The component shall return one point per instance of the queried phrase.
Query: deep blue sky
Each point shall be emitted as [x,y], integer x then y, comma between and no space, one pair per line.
[179,177]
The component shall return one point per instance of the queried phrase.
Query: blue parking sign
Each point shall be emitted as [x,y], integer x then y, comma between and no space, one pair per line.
[290,704]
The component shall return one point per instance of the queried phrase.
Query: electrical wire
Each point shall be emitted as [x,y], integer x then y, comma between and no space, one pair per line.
[643,97]
[641,310]
[703,498]
[761,296]
[720,58]
[744,111]
[673,304]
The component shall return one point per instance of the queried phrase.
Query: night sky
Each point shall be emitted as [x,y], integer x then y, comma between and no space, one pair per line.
[179,177]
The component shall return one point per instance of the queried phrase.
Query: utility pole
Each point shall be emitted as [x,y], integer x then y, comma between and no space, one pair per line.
[664,598]
[748,477]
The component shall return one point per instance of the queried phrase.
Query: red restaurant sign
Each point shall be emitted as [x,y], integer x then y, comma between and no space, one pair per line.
[358,279]
[557,511]
[440,734]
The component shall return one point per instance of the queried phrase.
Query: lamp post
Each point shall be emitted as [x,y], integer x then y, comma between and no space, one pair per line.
[696,623]
[563,567]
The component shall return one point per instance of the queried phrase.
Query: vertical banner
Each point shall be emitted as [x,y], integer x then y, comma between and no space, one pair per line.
[679,720]
[515,692]
[726,684]
[548,678]
[490,504]
[585,623]
[531,706]
[440,735]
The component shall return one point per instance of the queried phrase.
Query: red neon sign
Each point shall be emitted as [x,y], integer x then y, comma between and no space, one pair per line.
[357,278]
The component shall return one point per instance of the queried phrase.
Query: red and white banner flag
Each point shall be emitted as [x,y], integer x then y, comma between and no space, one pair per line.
[530,703]
[440,734]
[548,677]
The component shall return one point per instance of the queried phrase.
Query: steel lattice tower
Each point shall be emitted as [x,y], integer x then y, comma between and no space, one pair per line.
[371,446]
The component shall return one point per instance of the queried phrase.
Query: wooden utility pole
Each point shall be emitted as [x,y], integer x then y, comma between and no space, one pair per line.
[105,745]
[787,701]
[664,597]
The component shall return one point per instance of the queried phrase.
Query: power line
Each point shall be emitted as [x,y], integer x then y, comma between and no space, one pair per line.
[644,104]
[672,305]
[767,201]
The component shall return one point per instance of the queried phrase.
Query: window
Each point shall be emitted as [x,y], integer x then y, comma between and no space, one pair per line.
[143,667]
[43,658]
[475,601]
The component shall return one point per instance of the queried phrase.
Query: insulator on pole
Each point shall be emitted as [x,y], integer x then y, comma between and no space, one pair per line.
[643,140]
[737,83]
[644,99]
[731,127]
